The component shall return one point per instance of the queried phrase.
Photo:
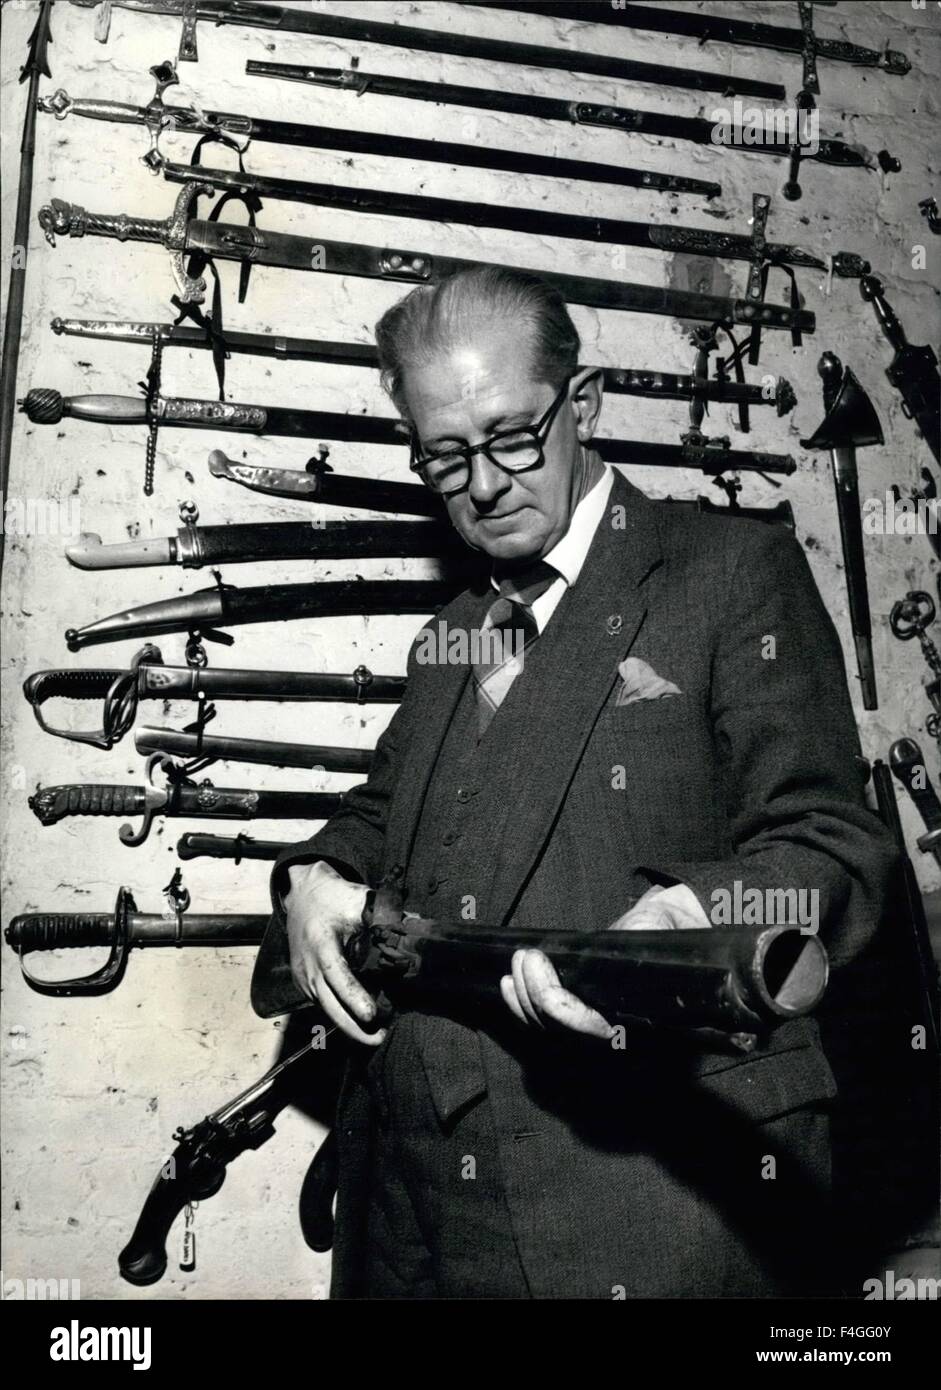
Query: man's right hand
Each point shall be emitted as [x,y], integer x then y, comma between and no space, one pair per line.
[322,911]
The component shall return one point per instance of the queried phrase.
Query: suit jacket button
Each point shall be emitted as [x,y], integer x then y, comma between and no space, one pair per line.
[449,837]
[463,794]
[432,885]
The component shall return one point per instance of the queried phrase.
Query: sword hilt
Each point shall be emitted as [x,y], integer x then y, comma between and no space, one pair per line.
[44,931]
[908,764]
[52,804]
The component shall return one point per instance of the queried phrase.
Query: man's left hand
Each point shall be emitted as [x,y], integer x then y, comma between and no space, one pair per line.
[534,993]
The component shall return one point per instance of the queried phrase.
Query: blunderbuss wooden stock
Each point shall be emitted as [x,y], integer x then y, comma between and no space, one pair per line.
[286,20]
[182,234]
[179,797]
[709,28]
[149,679]
[623,381]
[627,119]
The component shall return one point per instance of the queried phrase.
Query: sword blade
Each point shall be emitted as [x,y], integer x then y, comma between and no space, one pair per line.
[843,462]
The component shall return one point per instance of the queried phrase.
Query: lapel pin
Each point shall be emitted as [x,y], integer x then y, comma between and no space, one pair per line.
[613,624]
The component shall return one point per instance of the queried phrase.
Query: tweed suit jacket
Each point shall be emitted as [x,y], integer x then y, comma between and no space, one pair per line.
[750,775]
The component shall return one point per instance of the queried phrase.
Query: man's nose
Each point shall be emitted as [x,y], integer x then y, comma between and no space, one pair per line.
[487,481]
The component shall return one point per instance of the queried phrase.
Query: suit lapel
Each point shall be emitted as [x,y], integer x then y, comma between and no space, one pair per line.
[552,709]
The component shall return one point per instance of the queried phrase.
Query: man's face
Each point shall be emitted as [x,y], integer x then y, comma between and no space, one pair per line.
[483,386]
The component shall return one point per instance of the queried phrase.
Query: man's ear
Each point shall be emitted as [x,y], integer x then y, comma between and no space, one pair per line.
[586,395]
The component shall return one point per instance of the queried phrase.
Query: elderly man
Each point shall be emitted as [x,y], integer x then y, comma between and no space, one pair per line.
[670,726]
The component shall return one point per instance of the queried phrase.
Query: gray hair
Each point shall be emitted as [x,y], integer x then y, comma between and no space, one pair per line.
[435,317]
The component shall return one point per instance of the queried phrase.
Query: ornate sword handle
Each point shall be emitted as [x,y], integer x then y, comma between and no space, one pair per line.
[48,931]
[156,799]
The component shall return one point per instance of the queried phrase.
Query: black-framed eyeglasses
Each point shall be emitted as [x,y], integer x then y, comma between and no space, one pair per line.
[513,450]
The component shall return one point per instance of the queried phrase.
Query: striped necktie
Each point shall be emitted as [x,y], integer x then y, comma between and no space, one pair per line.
[509,627]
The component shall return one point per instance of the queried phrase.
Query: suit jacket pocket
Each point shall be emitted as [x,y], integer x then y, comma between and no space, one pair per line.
[763,1087]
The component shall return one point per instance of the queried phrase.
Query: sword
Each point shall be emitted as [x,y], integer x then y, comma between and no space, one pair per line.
[225,605]
[122,929]
[45,406]
[36,65]
[693,241]
[180,796]
[149,679]
[271,753]
[908,763]
[849,423]
[711,28]
[318,483]
[236,847]
[159,117]
[269,16]
[913,370]
[624,381]
[239,543]
[181,235]
[624,118]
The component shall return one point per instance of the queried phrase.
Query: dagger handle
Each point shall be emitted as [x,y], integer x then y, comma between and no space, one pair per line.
[196,846]
[52,804]
[48,931]
[44,406]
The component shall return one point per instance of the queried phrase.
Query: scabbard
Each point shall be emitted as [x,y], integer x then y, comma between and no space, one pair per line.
[154,681]
[56,931]
[51,805]
[230,241]
[694,241]
[292,133]
[420,40]
[194,546]
[627,119]
[706,458]
[317,483]
[908,764]
[708,28]
[226,606]
[622,381]
[253,750]
[854,562]
[237,847]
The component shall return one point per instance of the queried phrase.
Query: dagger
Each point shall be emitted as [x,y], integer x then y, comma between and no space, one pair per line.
[850,422]
[179,797]
[226,605]
[182,234]
[908,763]
[318,483]
[625,381]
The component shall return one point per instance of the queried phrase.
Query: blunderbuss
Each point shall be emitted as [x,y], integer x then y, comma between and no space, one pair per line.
[624,381]
[149,679]
[159,117]
[180,796]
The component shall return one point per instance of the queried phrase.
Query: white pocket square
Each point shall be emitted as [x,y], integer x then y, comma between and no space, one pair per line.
[639,681]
